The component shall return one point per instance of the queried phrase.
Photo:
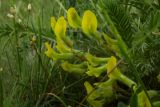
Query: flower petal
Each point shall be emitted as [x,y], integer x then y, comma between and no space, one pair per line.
[96,71]
[74,68]
[53,23]
[74,19]
[50,51]
[60,27]
[89,23]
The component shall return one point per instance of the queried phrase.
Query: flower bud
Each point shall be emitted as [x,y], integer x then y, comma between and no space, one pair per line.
[1,69]
[53,23]
[34,38]
[29,7]
[19,21]
[11,16]
[13,10]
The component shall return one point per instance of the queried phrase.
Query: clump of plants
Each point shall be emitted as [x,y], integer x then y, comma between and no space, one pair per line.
[106,70]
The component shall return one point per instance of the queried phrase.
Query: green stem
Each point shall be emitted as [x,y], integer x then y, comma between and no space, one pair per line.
[61,5]
[48,78]
[17,46]
[58,98]
[1,90]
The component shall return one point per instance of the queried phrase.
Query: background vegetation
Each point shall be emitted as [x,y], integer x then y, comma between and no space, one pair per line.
[29,79]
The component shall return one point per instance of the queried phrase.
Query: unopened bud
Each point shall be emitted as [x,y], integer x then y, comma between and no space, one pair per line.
[11,16]
[19,21]
[29,7]
[34,38]
[1,69]
[13,10]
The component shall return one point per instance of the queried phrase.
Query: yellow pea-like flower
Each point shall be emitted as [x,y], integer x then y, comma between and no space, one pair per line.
[53,23]
[106,88]
[89,23]
[115,74]
[95,61]
[112,70]
[74,19]
[74,68]
[111,64]
[89,87]
[61,46]
[50,52]
[93,97]
[60,27]
[96,71]
[60,30]
[57,56]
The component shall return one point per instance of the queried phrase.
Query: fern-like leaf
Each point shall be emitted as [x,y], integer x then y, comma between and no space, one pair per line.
[120,17]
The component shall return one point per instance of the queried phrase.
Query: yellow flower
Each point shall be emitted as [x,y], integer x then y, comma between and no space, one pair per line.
[112,70]
[89,23]
[93,96]
[74,19]
[111,64]
[115,74]
[60,27]
[60,30]
[50,51]
[106,87]
[53,23]
[74,68]
[57,56]
[95,61]
[62,47]
[96,71]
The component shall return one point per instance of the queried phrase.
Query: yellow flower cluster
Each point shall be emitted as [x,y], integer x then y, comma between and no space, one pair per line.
[91,65]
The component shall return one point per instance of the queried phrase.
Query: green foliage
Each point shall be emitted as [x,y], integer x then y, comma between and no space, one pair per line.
[30,79]
[121,17]
[121,104]
[1,88]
